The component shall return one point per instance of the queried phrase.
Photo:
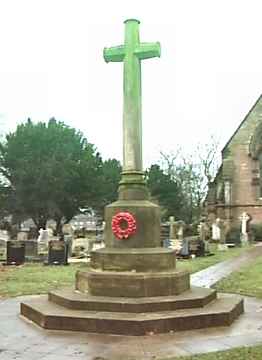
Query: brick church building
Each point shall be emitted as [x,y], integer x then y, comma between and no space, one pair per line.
[237,187]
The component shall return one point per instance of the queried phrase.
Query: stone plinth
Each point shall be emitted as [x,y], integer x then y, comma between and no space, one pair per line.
[132,284]
[135,259]
[147,215]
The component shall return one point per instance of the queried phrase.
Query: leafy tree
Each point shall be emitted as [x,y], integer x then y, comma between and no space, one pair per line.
[51,171]
[108,184]
[165,190]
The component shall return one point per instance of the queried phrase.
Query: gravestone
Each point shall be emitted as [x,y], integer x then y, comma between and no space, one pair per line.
[216,231]
[3,245]
[31,249]
[15,252]
[244,218]
[164,235]
[132,286]
[68,233]
[57,253]
[203,229]
[175,242]
[22,236]
[4,237]
[42,240]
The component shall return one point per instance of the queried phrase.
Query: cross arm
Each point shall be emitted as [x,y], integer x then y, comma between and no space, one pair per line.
[148,50]
[116,53]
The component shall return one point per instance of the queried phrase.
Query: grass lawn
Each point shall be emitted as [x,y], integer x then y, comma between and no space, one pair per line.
[35,278]
[246,281]
[244,353]
[38,279]
[201,263]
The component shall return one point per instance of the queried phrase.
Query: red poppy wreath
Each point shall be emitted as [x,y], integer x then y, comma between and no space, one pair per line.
[123,225]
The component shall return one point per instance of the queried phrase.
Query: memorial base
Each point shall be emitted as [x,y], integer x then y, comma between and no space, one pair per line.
[132,302]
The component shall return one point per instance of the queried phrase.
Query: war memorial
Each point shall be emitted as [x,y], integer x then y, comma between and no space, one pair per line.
[132,286]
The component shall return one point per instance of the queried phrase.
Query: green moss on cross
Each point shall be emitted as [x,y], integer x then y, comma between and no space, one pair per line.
[131,53]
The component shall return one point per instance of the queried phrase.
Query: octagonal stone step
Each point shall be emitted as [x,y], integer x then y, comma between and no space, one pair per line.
[49,315]
[195,297]
[132,284]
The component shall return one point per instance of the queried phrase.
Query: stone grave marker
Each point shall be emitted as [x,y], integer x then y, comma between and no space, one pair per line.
[31,248]
[4,237]
[244,223]
[2,250]
[216,230]
[42,240]
[15,252]
[68,233]
[57,252]
[164,235]
[204,236]
[22,236]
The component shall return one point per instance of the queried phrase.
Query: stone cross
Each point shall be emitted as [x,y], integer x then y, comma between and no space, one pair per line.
[131,53]
[244,220]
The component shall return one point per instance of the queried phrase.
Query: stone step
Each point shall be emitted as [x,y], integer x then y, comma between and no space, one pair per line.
[49,315]
[193,298]
[132,283]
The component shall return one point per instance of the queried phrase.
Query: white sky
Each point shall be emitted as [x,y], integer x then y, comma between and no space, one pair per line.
[208,77]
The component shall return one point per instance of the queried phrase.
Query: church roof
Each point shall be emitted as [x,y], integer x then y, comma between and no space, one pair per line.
[242,122]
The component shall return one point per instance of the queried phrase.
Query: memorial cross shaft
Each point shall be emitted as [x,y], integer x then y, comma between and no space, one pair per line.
[131,54]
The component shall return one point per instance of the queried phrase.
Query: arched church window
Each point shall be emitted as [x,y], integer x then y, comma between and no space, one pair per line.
[260,173]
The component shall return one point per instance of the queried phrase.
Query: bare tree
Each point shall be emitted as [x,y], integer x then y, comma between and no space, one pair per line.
[193,172]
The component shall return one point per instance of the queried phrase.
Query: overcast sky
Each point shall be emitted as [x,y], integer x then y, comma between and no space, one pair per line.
[208,77]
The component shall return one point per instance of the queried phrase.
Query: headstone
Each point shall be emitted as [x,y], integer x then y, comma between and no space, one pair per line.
[172,228]
[185,248]
[42,240]
[3,245]
[68,239]
[67,229]
[216,230]
[80,247]
[57,253]
[164,235]
[4,235]
[180,231]
[15,252]
[22,236]
[244,222]
[174,242]
[203,229]
[31,248]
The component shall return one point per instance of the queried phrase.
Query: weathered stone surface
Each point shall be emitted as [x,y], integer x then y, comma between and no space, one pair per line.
[51,316]
[240,171]
[195,297]
[132,284]
[147,217]
[139,259]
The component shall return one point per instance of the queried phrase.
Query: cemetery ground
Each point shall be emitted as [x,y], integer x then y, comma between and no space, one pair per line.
[33,278]
[36,279]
